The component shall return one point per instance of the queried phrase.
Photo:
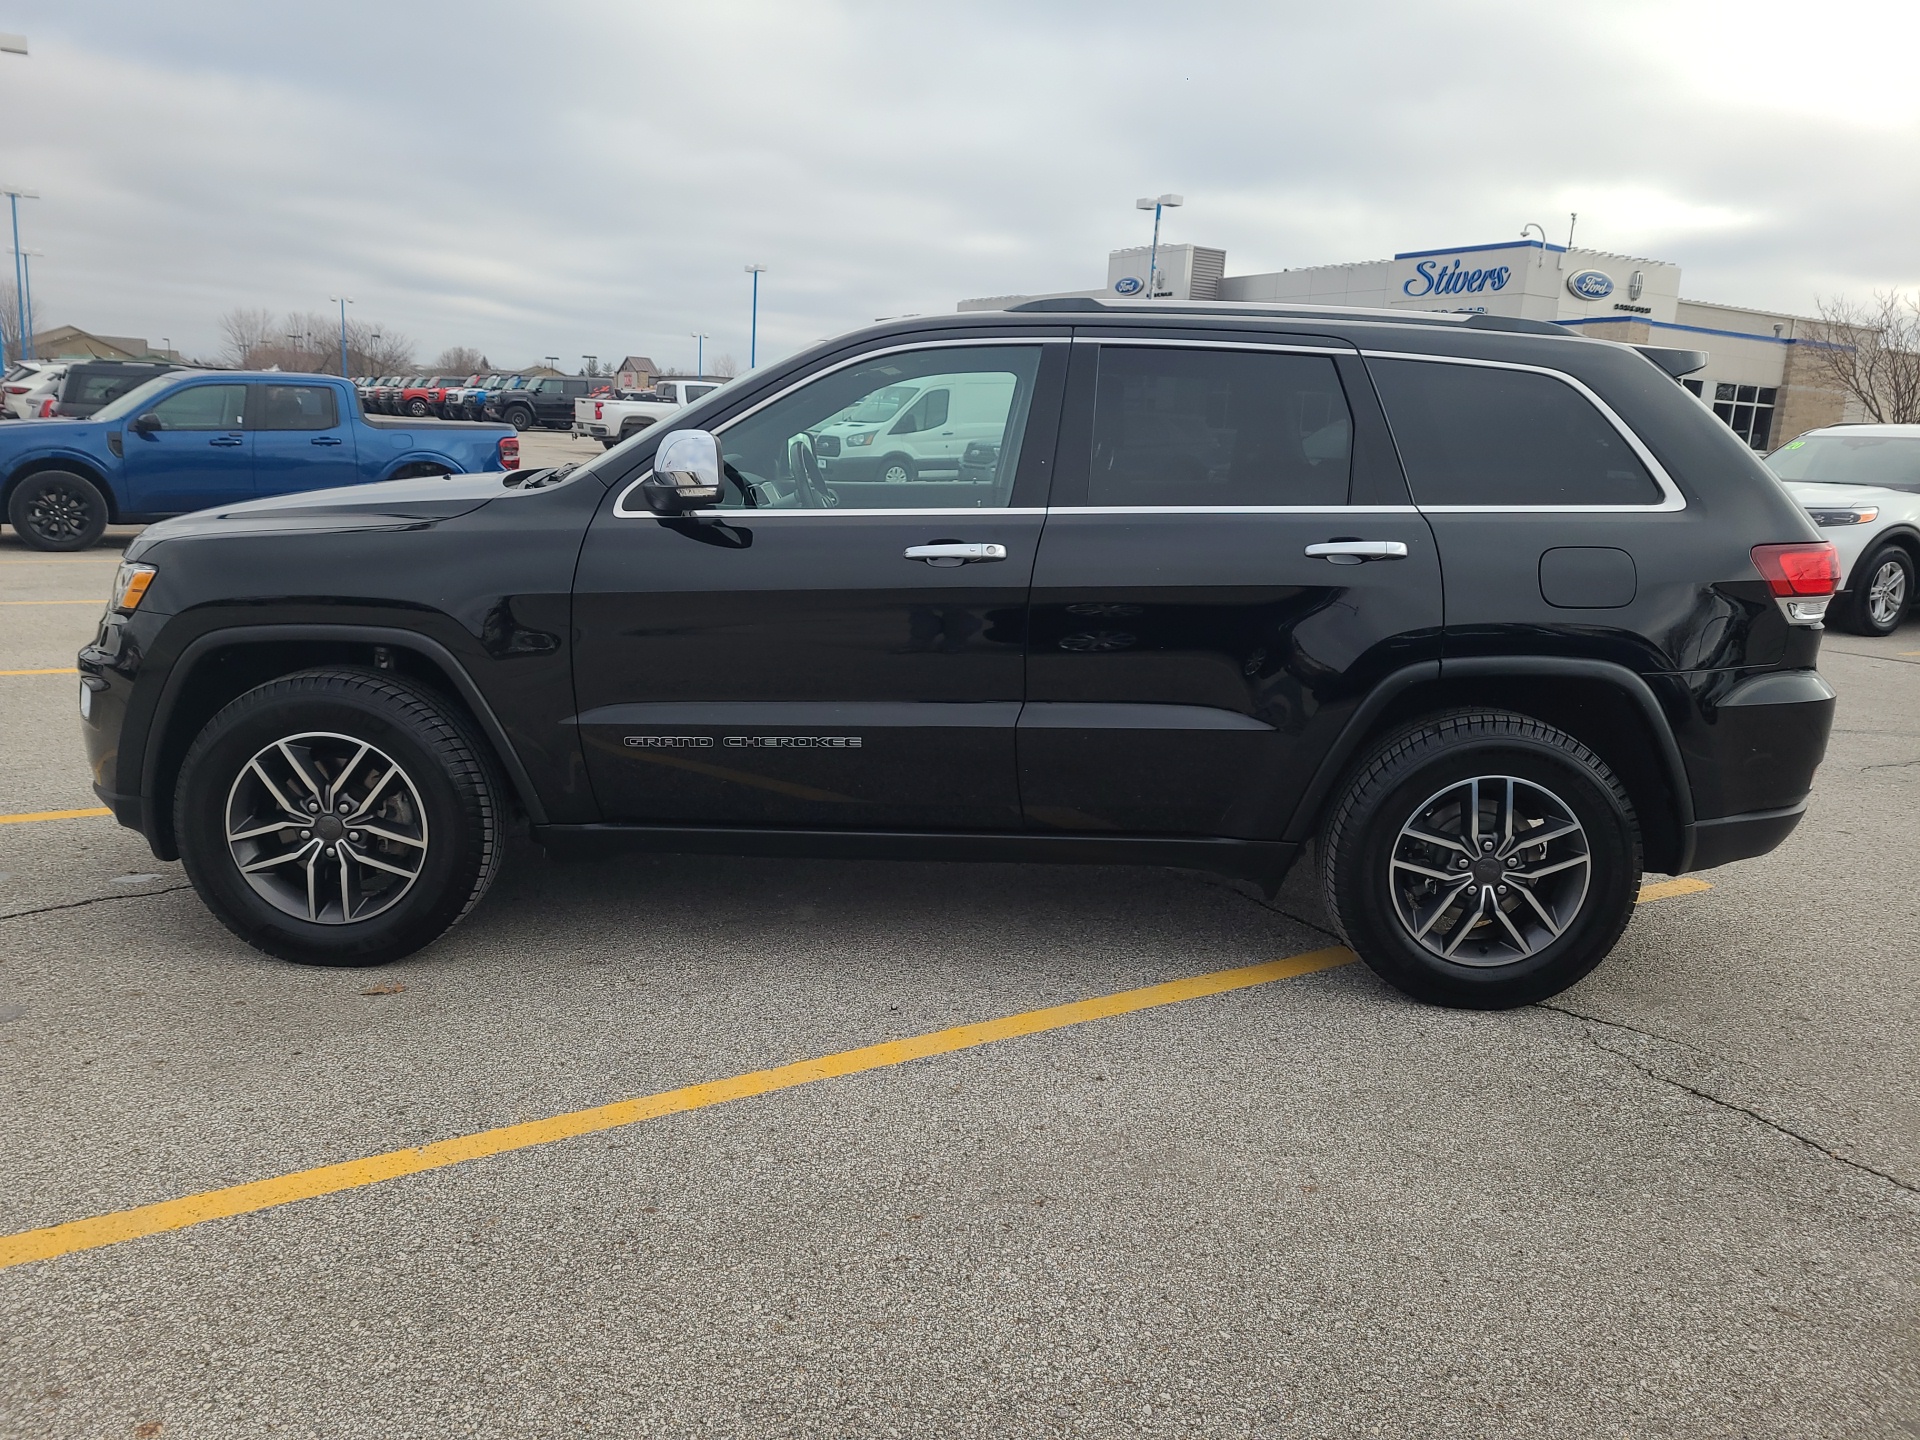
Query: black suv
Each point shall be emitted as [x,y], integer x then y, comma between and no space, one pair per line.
[93,384]
[1494,615]
[546,402]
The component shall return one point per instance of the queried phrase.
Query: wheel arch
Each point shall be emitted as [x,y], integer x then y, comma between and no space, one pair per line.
[224,664]
[1904,536]
[1607,707]
[79,465]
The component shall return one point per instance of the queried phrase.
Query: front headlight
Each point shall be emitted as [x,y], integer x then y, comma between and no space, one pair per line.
[1827,519]
[863,438]
[130,584]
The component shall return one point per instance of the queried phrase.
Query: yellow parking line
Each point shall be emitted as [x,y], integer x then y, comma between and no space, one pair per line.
[39,672]
[111,1229]
[33,815]
[1666,889]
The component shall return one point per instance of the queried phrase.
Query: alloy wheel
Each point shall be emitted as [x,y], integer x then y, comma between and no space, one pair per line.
[1887,594]
[1489,871]
[326,828]
[59,513]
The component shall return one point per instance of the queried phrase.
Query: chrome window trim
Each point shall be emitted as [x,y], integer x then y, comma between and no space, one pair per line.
[1232,510]
[1671,498]
[621,511]
[1343,347]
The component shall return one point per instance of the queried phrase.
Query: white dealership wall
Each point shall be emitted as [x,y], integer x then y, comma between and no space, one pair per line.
[1592,292]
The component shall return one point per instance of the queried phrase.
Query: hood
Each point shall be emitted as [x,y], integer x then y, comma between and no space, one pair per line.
[1845,497]
[393,504]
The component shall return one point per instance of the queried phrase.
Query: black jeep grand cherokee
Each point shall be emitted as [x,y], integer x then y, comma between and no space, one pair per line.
[1495,615]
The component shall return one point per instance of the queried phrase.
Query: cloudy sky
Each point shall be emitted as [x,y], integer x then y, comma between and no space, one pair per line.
[568,179]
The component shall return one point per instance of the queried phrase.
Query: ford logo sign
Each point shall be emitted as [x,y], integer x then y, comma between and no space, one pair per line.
[1129,285]
[1590,284]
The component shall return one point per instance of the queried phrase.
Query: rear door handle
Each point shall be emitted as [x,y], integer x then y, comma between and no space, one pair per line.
[1355,552]
[228,440]
[956,554]
[324,440]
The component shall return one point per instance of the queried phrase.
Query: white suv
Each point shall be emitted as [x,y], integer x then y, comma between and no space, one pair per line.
[1861,485]
[28,384]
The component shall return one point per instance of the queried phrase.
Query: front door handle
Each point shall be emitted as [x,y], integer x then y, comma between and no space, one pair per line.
[324,440]
[949,553]
[228,440]
[1355,552]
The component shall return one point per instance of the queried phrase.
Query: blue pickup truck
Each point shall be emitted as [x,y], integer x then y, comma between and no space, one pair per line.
[194,439]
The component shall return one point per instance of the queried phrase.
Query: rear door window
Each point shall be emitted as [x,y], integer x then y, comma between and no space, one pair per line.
[296,407]
[1480,435]
[1185,427]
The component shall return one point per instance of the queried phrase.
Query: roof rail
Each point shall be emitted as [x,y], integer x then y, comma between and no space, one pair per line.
[1088,304]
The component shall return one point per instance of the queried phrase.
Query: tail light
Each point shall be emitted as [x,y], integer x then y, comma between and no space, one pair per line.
[48,408]
[599,410]
[16,389]
[1802,576]
[509,452]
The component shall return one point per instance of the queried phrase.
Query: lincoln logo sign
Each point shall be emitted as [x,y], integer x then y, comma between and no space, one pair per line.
[1436,277]
[1590,284]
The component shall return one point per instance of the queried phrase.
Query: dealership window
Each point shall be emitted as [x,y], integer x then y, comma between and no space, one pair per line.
[1748,409]
[1485,435]
[1698,387]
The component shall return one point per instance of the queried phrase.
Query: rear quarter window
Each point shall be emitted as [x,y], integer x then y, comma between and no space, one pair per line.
[1477,435]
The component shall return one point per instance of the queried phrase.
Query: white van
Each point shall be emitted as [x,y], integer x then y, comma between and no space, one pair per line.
[915,429]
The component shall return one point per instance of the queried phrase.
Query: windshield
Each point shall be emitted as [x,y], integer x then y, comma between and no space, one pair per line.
[1849,460]
[882,404]
[135,400]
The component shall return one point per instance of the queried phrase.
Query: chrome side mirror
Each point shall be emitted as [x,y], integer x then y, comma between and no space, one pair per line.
[686,472]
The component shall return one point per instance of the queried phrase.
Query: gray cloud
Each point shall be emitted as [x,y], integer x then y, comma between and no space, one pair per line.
[577,179]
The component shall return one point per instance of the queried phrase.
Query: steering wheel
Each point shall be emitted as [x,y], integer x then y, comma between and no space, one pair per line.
[814,492]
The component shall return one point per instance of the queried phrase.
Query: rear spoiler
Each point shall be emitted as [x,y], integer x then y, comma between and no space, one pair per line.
[1675,362]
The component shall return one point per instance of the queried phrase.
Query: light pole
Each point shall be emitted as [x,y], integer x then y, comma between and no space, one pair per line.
[753,326]
[19,272]
[590,364]
[700,354]
[1156,203]
[27,257]
[344,300]
[1536,225]
[16,45]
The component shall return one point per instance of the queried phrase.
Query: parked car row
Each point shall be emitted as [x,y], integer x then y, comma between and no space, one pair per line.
[526,402]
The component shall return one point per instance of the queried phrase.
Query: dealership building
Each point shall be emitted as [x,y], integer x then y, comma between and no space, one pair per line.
[1760,376]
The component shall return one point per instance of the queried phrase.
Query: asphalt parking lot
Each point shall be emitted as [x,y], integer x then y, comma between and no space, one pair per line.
[1681,1200]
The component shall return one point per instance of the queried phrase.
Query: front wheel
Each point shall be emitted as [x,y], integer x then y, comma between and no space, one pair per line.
[1482,860]
[57,510]
[1879,601]
[898,470]
[338,817]
[520,418]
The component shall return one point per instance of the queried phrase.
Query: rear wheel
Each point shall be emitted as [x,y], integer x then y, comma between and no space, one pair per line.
[57,510]
[1878,603]
[338,817]
[1482,860]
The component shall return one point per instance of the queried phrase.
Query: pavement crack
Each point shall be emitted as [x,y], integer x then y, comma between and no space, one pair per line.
[96,900]
[1652,1072]
[1891,765]
[1270,908]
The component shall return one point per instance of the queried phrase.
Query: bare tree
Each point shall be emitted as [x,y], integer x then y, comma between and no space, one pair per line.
[10,322]
[726,367]
[1872,353]
[255,340]
[459,359]
[247,332]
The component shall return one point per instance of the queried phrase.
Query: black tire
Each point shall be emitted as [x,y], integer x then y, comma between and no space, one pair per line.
[1373,870]
[520,417]
[418,408]
[57,510]
[908,471]
[1882,595]
[444,790]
